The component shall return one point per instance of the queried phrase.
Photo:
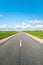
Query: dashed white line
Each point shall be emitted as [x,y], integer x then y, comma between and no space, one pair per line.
[20,43]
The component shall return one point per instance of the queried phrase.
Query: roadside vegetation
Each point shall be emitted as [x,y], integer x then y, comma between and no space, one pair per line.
[4,34]
[38,34]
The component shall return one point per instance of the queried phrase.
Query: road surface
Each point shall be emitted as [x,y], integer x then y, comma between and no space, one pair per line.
[21,50]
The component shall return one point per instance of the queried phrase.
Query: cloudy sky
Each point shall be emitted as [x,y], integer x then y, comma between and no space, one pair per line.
[21,14]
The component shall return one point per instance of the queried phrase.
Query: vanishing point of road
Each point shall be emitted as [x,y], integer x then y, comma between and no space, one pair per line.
[21,50]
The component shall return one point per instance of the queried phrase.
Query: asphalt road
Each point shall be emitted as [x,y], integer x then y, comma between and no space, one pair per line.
[21,50]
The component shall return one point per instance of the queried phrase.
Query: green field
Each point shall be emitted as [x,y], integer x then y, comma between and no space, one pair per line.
[38,34]
[4,34]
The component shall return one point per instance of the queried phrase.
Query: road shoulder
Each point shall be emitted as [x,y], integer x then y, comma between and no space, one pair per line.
[35,38]
[5,39]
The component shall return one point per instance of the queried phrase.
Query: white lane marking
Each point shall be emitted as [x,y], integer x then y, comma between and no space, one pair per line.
[20,43]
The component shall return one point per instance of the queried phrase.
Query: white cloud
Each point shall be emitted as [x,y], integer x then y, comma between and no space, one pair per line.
[34,21]
[23,26]
[39,26]
[37,22]
[3,26]
[24,23]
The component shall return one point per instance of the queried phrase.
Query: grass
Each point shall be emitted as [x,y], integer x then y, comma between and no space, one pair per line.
[38,34]
[4,34]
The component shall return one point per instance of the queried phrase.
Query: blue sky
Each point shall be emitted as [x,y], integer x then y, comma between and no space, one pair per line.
[21,12]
